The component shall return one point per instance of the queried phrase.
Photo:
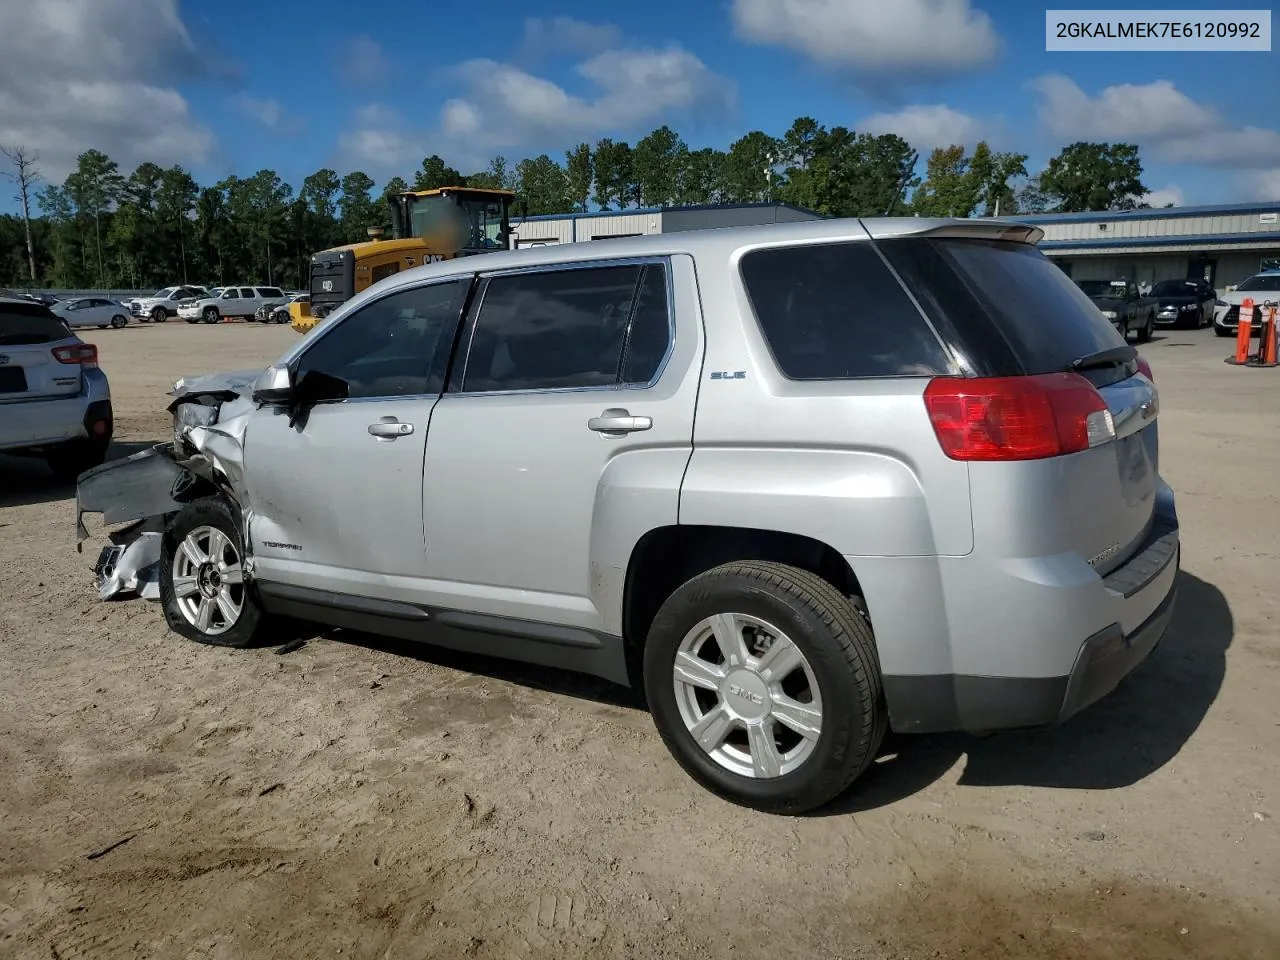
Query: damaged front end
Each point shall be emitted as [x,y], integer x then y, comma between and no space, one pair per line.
[140,494]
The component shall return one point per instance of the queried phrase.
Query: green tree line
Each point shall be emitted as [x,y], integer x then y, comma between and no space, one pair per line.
[157,225]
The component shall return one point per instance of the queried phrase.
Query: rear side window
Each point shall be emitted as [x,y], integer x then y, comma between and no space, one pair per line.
[1011,309]
[590,327]
[23,326]
[270,292]
[836,312]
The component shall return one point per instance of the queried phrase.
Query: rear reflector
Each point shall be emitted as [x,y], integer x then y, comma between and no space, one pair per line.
[85,354]
[1017,418]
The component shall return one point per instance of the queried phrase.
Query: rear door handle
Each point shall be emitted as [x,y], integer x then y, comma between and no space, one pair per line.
[388,428]
[616,422]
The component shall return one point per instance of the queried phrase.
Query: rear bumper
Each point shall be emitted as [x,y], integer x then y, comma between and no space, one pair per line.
[35,424]
[1099,659]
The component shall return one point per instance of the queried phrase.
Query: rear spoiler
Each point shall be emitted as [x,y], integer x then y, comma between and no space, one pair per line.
[981,228]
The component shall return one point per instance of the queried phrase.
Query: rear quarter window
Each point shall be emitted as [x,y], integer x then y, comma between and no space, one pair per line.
[20,325]
[836,312]
[1009,309]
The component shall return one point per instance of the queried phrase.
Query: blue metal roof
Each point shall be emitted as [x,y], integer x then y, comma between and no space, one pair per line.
[1159,213]
[1202,239]
[645,210]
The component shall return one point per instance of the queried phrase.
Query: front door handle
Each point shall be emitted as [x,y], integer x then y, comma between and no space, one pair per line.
[388,428]
[616,422]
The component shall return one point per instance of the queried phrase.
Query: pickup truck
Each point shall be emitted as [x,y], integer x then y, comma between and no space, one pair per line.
[1122,304]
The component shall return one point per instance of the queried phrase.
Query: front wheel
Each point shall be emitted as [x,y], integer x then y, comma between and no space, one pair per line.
[158,315]
[202,585]
[764,684]
[210,315]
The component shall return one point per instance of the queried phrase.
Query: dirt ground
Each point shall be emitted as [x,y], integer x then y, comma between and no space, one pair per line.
[359,798]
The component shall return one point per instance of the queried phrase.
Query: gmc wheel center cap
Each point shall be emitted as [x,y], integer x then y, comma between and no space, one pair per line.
[746,694]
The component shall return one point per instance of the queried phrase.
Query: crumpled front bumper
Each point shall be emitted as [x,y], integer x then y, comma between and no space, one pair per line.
[139,492]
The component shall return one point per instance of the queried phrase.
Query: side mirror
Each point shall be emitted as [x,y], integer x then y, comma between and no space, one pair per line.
[316,387]
[275,386]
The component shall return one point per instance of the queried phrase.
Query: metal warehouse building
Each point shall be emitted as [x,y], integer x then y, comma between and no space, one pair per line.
[1224,243]
[574,227]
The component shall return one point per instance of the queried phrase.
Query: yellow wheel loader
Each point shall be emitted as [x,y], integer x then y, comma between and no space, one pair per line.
[427,225]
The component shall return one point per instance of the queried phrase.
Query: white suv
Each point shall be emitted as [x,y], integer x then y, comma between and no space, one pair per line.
[228,302]
[54,400]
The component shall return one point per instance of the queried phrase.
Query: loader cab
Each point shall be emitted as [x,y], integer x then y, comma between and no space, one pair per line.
[426,225]
[458,219]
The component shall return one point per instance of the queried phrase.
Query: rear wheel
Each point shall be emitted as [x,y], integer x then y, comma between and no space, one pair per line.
[1148,327]
[119,320]
[202,585]
[764,683]
[210,315]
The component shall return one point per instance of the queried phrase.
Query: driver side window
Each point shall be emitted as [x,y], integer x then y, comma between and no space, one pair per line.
[396,346]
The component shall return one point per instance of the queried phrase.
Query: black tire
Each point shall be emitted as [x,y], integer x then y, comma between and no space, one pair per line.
[247,629]
[210,315]
[838,644]
[1144,335]
[118,321]
[69,460]
[158,315]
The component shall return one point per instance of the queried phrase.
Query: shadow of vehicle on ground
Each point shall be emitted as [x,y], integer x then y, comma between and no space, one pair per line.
[28,480]
[1126,736]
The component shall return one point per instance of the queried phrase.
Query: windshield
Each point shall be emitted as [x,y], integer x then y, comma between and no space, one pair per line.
[1100,288]
[165,293]
[1174,288]
[473,222]
[216,292]
[484,223]
[1269,283]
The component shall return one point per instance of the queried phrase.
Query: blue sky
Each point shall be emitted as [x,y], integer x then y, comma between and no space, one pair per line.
[232,86]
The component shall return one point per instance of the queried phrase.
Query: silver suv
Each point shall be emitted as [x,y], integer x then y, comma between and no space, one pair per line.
[807,482]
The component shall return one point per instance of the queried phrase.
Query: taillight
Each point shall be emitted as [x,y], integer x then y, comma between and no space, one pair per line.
[85,354]
[1145,369]
[1017,418]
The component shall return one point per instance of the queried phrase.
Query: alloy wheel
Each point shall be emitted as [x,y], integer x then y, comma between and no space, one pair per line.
[208,580]
[747,695]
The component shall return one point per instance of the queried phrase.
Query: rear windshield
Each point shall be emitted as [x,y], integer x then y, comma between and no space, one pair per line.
[835,312]
[20,325]
[1010,308]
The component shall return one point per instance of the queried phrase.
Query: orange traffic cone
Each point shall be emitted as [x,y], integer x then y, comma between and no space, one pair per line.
[1243,330]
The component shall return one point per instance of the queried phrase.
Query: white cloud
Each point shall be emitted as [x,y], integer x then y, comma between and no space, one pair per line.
[506,108]
[545,36]
[380,143]
[926,126]
[81,74]
[363,62]
[895,38]
[269,113]
[1263,185]
[1171,194]
[1166,123]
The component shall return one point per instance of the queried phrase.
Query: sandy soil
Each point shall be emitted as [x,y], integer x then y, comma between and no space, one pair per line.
[359,798]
